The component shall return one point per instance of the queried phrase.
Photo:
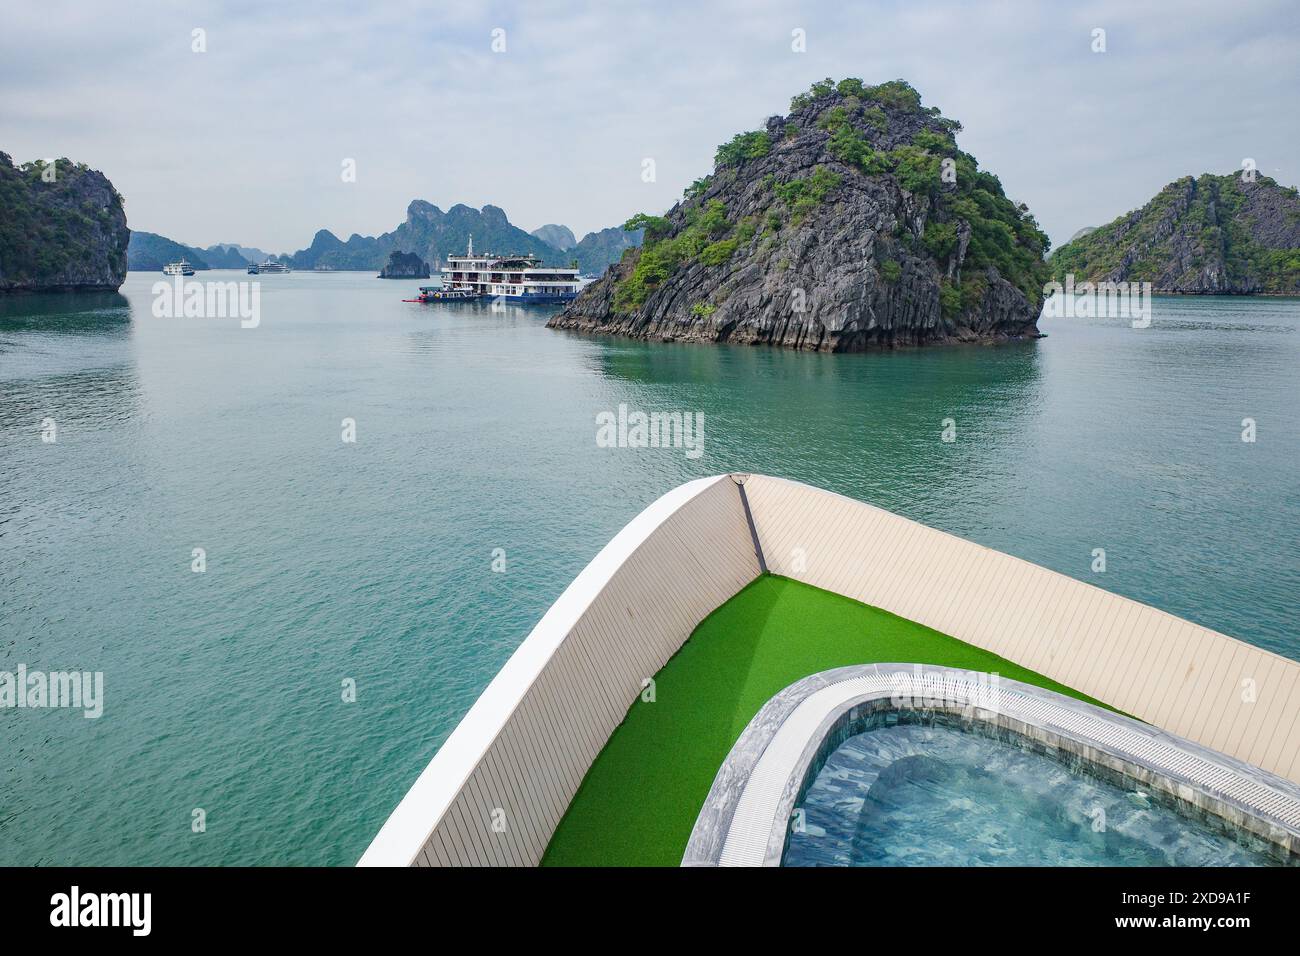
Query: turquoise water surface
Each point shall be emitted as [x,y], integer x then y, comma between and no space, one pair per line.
[373,561]
[941,794]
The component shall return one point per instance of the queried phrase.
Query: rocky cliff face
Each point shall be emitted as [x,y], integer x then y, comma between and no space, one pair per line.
[1209,235]
[62,227]
[852,223]
[405,265]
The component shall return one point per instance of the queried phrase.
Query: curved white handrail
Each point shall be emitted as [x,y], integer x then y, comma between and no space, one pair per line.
[410,825]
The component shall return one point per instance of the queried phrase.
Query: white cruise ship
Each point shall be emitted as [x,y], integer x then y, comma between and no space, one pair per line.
[519,278]
[269,267]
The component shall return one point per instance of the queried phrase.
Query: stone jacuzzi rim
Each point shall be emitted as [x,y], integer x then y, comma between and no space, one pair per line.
[745,818]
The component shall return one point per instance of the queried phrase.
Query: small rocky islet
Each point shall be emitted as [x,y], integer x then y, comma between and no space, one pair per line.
[1236,234]
[852,223]
[404,265]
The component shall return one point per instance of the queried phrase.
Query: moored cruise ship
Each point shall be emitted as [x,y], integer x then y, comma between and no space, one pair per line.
[518,278]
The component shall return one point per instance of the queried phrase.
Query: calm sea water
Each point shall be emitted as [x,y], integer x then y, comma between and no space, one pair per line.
[372,561]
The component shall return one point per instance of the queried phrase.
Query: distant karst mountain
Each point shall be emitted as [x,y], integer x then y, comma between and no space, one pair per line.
[62,227]
[854,222]
[248,253]
[224,257]
[561,237]
[432,234]
[598,250]
[149,252]
[1209,234]
[429,233]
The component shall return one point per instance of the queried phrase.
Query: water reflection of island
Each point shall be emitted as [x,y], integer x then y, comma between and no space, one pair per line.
[870,425]
[81,313]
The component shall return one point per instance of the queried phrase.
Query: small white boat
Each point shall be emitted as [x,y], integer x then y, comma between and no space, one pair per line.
[181,268]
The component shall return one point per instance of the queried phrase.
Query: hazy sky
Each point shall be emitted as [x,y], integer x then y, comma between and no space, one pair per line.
[245,142]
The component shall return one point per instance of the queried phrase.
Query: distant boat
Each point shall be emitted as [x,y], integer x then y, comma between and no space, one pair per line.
[434,293]
[269,267]
[181,268]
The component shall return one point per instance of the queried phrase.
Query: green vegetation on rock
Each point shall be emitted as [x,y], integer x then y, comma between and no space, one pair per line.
[697,187]
[706,228]
[62,226]
[743,146]
[949,298]
[1003,235]
[804,195]
[855,174]
[1208,234]
[940,238]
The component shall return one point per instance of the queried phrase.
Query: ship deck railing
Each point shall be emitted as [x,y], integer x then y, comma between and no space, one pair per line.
[504,780]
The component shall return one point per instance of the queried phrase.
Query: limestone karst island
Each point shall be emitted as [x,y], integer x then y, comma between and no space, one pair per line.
[853,222]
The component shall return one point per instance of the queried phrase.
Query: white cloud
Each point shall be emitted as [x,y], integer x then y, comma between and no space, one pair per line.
[244,142]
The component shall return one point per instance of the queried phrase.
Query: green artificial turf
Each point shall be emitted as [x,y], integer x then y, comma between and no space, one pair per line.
[639,800]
